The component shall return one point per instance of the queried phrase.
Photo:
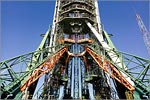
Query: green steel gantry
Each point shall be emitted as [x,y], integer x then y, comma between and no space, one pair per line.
[11,79]
[20,75]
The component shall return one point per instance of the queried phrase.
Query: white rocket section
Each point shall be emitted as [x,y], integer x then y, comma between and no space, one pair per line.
[98,17]
[57,14]
[111,54]
[100,31]
[55,20]
[53,26]
[91,92]
[61,94]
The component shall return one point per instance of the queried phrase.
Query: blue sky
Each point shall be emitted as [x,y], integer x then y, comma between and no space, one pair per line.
[23,22]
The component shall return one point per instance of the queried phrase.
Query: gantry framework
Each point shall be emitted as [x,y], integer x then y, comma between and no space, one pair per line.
[78,61]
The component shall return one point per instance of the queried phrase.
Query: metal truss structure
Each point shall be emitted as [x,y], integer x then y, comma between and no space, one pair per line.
[78,61]
[145,33]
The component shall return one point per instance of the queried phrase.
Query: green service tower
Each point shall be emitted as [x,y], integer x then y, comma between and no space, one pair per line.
[75,60]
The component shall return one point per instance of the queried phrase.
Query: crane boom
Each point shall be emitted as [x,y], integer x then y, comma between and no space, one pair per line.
[145,33]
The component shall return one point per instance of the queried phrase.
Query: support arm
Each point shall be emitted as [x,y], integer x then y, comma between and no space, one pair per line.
[113,72]
[43,68]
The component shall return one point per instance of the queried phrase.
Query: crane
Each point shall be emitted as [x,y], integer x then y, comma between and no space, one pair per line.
[145,32]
